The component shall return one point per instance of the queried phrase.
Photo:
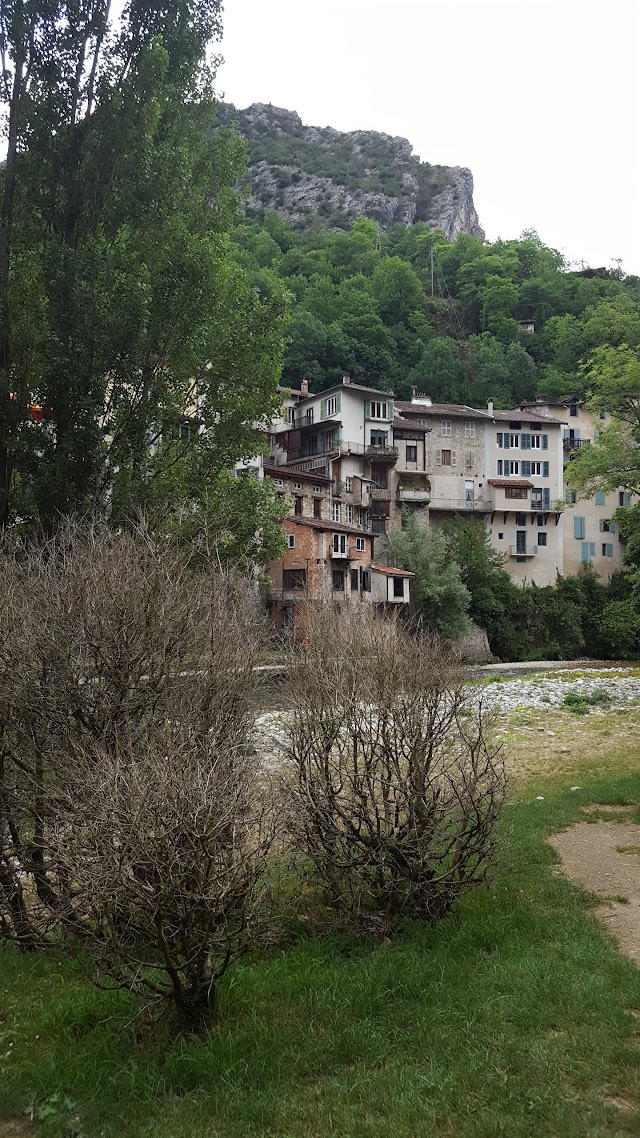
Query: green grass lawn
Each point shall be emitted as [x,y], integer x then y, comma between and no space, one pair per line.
[512,1018]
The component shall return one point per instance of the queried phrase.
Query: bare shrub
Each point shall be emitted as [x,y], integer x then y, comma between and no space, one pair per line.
[130,803]
[395,783]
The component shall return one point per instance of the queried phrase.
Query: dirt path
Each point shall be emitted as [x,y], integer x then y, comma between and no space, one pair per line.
[603,856]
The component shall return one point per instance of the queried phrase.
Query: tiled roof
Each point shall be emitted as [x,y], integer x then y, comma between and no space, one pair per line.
[347,387]
[297,475]
[455,410]
[521,482]
[333,527]
[389,570]
[518,415]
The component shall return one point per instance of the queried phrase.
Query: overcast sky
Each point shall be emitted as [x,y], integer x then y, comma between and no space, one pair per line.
[540,99]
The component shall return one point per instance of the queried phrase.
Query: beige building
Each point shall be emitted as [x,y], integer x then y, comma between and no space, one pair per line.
[590,535]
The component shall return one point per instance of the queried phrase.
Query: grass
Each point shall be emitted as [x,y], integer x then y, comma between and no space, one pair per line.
[514,1017]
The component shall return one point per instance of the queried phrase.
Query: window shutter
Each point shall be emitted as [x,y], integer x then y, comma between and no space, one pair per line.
[499,438]
[600,498]
[592,548]
[565,433]
[339,401]
[578,528]
[609,551]
[545,469]
[499,466]
[525,442]
[469,460]
[505,440]
[323,408]
[547,498]
[438,458]
[612,527]
[526,468]
[367,410]
[585,552]
[601,525]
[453,458]
[545,442]
[391,411]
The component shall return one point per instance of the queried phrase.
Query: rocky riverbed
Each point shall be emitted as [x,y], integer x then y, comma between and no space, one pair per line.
[617,686]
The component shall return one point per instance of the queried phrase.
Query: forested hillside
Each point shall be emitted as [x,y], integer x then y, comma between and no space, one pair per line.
[367,303]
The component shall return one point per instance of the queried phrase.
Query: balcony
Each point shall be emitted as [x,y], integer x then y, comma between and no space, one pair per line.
[370,450]
[305,420]
[523,550]
[462,506]
[575,444]
[417,497]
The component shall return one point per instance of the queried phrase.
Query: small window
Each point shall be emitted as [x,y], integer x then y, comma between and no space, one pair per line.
[355,581]
[540,519]
[624,497]
[348,514]
[542,539]
[398,586]
[348,485]
[469,429]
[366,580]
[297,508]
[331,406]
[500,536]
[446,457]
[499,467]
[297,486]
[445,427]
[521,519]
[317,507]
[294,579]
[340,544]
[184,431]
[412,453]
[291,540]
[573,410]
[601,498]
[360,544]
[338,580]
[335,511]
[607,550]
[516,492]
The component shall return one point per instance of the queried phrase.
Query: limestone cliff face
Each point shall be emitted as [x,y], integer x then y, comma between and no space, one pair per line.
[306,171]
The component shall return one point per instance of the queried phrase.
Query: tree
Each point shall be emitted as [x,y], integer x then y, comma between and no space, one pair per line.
[612,460]
[117,203]
[442,600]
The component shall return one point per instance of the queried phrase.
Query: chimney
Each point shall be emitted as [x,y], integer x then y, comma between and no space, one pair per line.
[346,379]
[423,400]
[490,406]
[304,386]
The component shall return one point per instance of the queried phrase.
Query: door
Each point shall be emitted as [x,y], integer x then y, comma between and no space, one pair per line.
[521,541]
[468,495]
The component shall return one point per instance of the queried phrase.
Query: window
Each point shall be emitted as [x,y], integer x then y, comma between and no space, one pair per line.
[398,586]
[379,477]
[378,410]
[469,429]
[542,539]
[540,519]
[578,528]
[365,578]
[516,492]
[499,467]
[317,507]
[500,536]
[514,467]
[337,580]
[445,427]
[348,485]
[607,526]
[379,438]
[297,507]
[468,460]
[348,515]
[355,581]
[335,511]
[571,497]
[360,544]
[330,406]
[624,497]
[184,431]
[445,457]
[573,410]
[297,486]
[541,498]
[340,544]
[412,452]
[294,579]
[607,550]
[291,540]
[291,414]
[521,519]
[588,551]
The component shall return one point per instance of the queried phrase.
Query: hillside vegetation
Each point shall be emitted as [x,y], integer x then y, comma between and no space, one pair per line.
[363,303]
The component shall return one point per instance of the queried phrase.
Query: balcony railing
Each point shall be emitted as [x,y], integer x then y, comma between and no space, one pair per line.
[462,505]
[305,420]
[574,444]
[523,550]
[419,497]
[369,450]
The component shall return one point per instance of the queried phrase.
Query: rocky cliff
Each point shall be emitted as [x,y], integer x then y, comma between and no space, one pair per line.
[304,171]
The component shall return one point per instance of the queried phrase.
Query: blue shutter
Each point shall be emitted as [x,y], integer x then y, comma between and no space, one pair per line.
[600,498]
[323,408]
[505,440]
[592,548]
[584,557]
[339,401]
[578,528]
[547,498]
[526,469]
[367,410]
[545,469]
[499,438]
[612,527]
[609,551]
[601,525]
[545,442]
[525,442]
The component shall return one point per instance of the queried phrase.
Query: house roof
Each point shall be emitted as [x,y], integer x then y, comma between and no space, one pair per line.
[390,571]
[455,410]
[327,527]
[347,387]
[521,482]
[530,416]
[296,475]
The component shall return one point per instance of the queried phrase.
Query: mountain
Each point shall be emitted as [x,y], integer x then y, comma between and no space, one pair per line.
[308,171]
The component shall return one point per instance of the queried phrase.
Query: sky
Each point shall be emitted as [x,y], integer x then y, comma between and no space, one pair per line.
[540,99]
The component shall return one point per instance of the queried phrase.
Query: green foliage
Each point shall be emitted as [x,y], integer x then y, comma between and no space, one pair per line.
[442,599]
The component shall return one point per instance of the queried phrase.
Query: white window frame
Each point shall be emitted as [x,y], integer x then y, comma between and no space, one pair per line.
[291,540]
[469,429]
[348,514]
[330,406]
[335,512]
[360,545]
[340,547]
[348,484]
[445,428]
[378,409]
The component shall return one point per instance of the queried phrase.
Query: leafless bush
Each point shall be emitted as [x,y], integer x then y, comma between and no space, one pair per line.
[129,797]
[396,784]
